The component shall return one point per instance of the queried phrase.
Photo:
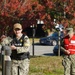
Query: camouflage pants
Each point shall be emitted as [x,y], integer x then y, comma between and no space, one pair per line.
[20,67]
[69,64]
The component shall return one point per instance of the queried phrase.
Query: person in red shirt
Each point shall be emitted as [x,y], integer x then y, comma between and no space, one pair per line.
[69,53]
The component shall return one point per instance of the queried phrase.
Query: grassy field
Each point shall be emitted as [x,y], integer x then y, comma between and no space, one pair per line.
[36,40]
[46,65]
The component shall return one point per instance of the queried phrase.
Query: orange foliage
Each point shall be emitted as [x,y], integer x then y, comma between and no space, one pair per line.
[27,11]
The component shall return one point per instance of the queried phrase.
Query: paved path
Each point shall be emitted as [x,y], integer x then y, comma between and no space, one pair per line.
[40,50]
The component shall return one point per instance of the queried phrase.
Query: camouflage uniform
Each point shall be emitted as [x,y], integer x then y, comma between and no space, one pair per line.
[19,66]
[69,57]
[69,64]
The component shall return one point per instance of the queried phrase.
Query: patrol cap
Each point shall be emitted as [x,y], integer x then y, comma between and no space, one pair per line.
[17,26]
[69,30]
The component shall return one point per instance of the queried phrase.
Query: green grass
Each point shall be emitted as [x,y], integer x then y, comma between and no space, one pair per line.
[36,40]
[46,65]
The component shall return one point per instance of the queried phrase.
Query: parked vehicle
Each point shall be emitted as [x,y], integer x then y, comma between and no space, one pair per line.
[51,40]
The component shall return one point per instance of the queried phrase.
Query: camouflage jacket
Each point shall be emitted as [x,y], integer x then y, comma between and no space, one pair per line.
[24,48]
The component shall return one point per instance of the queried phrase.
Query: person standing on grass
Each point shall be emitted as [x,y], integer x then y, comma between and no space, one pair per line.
[19,45]
[69,52]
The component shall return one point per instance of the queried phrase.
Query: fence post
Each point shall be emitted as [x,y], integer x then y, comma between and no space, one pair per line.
[6,60]
[2,59]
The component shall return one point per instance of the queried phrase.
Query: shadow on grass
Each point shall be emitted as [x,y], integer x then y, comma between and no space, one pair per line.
[46,54]
[49,54]
[38,44]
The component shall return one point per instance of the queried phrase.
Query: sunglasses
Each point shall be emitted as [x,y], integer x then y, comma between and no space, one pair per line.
[17,29]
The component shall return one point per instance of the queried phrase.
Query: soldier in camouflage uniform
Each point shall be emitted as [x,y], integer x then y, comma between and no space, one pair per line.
[19,45]
[69,50]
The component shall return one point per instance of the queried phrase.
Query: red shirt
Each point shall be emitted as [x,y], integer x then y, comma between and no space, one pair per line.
[70,44]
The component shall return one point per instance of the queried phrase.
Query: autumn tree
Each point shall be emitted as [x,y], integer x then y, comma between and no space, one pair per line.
[12,11]
[27,12]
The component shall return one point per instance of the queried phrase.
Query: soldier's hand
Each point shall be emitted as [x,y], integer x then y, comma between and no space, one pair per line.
[13,47]
[2,37]
[67,52]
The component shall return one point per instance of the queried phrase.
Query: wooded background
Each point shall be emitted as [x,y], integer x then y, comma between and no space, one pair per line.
[28,12]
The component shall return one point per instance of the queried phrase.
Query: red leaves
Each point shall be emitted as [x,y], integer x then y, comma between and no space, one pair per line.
[30,10]
[74,14]
[67,9]
[2,14]
[72,21]
[49,4]
[39,7]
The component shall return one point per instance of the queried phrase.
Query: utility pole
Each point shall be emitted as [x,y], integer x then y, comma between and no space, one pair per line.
[59,32]
[33,37]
